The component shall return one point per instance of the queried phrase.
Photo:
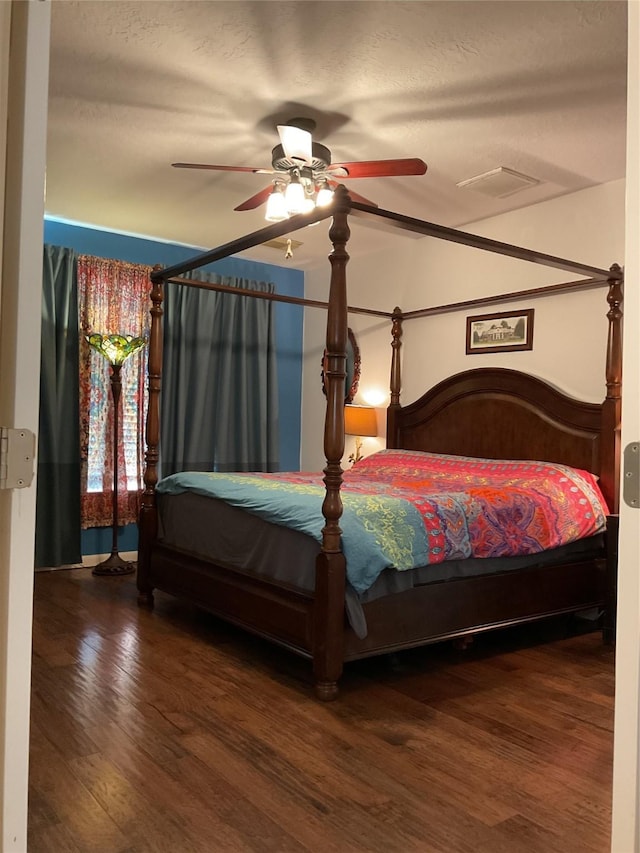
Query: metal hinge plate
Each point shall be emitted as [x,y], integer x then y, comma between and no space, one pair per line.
[631,475]
[17,452]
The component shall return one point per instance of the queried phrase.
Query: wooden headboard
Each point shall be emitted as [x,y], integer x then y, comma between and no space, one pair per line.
[501,414]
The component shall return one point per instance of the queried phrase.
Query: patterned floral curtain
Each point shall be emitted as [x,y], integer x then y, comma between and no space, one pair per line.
[113,298]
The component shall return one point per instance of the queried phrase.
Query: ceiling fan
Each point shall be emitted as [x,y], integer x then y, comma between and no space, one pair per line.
[304,176]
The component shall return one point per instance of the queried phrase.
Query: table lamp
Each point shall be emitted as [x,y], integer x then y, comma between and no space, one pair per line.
[359,421]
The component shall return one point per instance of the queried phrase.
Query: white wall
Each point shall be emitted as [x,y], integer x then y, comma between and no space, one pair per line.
[569,330]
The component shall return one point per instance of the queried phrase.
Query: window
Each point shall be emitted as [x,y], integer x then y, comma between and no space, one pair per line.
[113,297]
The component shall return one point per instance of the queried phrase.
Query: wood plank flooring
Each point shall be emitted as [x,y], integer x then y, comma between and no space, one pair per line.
[172,732]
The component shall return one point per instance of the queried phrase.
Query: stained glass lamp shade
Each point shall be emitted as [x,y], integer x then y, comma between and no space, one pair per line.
[116,349]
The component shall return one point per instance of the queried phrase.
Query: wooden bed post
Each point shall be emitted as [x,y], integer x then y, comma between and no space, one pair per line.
[393,439]
[610,448]
[329,613]
[612,406]
[148,520]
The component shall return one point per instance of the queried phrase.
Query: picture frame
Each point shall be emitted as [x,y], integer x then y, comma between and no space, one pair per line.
[502,331]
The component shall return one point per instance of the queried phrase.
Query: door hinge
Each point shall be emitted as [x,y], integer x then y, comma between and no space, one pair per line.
[17,453]
[631,475]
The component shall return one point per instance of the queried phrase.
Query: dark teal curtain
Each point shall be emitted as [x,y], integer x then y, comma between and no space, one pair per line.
[58,491]
[219,400]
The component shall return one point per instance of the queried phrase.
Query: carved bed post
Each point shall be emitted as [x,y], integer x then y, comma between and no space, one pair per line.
[393,439]
[148,519]
[612,406]
[329,615]
[610,448]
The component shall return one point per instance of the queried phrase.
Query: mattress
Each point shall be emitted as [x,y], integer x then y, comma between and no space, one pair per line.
[407,509]
[237,539]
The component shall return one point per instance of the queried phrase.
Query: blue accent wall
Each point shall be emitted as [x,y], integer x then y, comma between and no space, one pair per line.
[289,329]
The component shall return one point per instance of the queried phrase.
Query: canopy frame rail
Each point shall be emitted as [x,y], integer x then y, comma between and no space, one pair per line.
[397,220]
[241,244]
[475,241]
[272,297]
[511,296]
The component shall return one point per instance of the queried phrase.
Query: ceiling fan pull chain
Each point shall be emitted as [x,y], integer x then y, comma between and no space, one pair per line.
[289,252]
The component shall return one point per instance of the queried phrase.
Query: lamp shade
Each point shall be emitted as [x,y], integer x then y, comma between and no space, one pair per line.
[360,420]
[115,348]
[276,207]
[294,196]
[324,197]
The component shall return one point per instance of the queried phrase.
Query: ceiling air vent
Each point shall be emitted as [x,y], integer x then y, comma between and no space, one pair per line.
[499,183]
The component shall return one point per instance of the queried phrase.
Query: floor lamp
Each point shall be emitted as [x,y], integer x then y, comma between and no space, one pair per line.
[116,349]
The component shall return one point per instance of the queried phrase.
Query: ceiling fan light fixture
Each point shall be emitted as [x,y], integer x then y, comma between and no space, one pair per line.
[324,196]
[276,207]
[294,196]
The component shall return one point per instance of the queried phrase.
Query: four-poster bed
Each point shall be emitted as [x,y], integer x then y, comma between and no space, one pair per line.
[491,413]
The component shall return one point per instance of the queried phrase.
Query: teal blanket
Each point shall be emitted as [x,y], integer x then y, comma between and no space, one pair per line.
[378,530]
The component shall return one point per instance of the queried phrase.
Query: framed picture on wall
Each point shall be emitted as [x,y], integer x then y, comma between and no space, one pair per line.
[505,331]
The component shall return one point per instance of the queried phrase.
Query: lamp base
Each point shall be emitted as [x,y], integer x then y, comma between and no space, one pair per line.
[114,565]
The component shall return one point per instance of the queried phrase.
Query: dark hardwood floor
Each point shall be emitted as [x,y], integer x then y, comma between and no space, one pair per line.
[169,731]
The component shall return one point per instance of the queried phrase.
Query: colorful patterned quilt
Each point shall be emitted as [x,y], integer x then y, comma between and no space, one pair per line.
[404,509]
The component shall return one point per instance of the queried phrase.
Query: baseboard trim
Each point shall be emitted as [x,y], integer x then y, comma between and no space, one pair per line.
[91,560]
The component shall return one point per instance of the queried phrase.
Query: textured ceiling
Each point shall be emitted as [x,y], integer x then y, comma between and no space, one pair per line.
[538,87]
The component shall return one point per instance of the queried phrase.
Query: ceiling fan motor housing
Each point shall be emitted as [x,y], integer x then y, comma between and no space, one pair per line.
[321,159]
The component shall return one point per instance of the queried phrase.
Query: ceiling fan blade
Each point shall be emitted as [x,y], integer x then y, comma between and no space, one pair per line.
[256,200]
[379,168]
[354,196]
[223,168]
[296,143]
